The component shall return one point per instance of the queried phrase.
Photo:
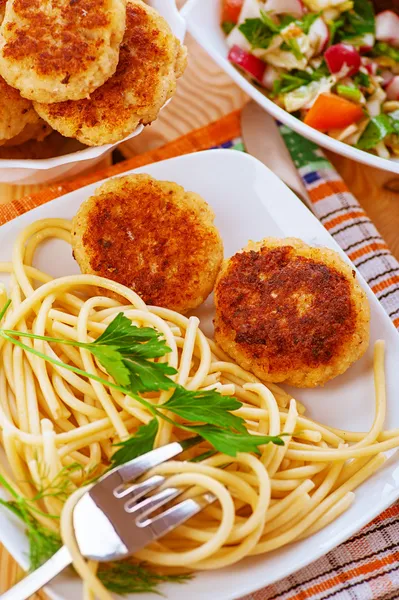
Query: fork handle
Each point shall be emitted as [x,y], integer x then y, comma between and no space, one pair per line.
[36,580]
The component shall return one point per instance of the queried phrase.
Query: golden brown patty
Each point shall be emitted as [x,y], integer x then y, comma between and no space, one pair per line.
[289,312]
[17,114]
[2,9]
[60,50]
[151,59]
[151,236]
[33,131]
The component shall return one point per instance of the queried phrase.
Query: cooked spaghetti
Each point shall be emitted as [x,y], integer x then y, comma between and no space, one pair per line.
[52,418]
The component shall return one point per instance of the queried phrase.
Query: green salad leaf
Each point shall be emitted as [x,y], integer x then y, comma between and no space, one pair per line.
[289,82]
[258,34]
[375,132]
[356,23]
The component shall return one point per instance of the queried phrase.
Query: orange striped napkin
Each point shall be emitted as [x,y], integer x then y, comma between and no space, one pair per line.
[366,567]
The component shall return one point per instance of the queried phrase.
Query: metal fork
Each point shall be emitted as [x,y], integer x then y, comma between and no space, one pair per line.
[115,518]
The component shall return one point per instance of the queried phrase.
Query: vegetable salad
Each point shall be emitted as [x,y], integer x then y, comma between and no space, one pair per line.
[332,63]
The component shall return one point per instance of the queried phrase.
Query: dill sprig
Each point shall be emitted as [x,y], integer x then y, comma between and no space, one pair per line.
[43,542]
[125,577]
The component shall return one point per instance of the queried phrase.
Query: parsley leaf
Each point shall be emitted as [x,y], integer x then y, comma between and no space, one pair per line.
[139,443]
[111,360]
[230,443]
[375,132]
[125,350]
[383,49]
[147,376]
[257,33]
[206,407]
[121,332]
[125,577]
[128,353]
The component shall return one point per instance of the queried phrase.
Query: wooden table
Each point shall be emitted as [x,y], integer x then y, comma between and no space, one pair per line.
[204,95]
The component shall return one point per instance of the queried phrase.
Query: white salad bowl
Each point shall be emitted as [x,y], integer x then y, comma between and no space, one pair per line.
[203,22]
[249,202]
[35,171]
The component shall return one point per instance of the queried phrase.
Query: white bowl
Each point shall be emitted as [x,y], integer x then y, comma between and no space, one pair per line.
[203,22]
[27,171]
[249,202]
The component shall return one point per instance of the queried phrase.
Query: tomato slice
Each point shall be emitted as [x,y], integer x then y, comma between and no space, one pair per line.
[231,10]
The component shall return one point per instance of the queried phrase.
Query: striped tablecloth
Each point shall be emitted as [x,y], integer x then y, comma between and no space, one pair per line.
[366,567]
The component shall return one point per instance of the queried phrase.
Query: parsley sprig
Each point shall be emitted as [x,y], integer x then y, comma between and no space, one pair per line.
[128,354]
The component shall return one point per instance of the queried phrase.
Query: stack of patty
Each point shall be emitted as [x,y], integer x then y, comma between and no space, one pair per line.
[90,69]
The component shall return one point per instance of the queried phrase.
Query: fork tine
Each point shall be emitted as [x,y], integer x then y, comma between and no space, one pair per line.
[149,505]
[137,490]
[138,466]
[175,516]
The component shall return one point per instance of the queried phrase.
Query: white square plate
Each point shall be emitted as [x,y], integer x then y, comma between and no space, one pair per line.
[203,22]
[250,202]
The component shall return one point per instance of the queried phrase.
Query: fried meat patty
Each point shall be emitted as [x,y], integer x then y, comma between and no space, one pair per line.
[151,236]
[291,313]
[18,117]
[151,60]
[60,50]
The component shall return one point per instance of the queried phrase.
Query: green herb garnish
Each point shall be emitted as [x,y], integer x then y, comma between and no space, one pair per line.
[228,442]
[127,353]
[124,577]
[139,443]
[208,406]
[43,542]
[120,577]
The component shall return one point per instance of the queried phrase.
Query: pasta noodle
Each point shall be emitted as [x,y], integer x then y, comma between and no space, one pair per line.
[52,418]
